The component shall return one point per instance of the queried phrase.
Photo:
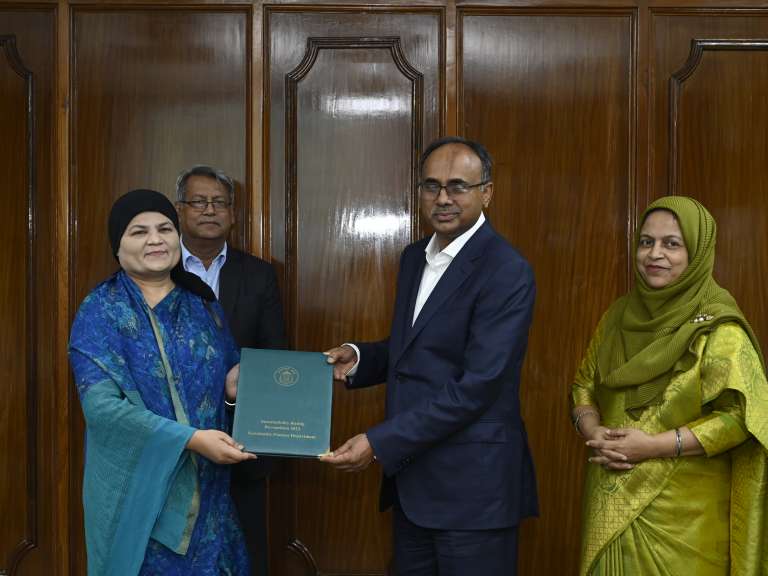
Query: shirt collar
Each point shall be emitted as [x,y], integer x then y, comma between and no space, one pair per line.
[186,255]
[433,250]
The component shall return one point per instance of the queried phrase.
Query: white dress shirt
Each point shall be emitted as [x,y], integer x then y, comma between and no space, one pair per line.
[436,265]
[210,275]
[438,262]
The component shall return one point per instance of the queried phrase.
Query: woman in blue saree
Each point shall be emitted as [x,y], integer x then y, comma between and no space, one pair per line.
[151,355]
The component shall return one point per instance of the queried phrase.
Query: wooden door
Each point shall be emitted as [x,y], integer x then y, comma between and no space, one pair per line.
[17,336]
[33,409]
[549,91]
[351,99]
[710,71]
[319,110]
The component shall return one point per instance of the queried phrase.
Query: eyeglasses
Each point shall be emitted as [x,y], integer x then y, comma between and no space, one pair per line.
[201,205]
[432,188]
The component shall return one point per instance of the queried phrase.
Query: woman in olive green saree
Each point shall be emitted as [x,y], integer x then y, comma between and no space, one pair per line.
[673,401]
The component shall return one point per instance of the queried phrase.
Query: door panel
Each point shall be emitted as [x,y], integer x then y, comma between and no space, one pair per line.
[352,100]
[18,414]
[711,75]
[33,456]
[550,93]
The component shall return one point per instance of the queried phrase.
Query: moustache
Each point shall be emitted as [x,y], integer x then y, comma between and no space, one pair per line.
[439,212]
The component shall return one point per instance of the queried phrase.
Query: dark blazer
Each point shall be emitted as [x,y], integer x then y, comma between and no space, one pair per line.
[249,294]
[453,439]
[250,297]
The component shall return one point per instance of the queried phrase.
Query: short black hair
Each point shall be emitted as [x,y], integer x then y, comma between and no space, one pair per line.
[479,150]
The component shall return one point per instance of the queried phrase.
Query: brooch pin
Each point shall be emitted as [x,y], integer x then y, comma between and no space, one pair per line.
[702,318]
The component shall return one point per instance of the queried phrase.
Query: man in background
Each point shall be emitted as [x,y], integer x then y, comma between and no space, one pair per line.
[246,287]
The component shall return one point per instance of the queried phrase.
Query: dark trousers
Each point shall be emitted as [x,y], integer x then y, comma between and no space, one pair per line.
[249,492]
[430,552]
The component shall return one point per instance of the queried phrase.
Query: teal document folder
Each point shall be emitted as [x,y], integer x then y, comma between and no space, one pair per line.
[284,401]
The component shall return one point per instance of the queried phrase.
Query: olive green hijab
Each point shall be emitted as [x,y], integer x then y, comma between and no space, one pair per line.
[648,331]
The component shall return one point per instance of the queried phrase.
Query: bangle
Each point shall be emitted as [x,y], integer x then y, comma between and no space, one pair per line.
[678,443]
[578,418]
[228,403]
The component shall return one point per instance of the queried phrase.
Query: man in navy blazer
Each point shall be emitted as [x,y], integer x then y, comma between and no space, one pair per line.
[457,468]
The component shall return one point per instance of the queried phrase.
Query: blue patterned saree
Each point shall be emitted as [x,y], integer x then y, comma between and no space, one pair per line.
[147,378]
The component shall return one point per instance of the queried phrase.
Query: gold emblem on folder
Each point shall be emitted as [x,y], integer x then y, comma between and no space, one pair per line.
[286,376]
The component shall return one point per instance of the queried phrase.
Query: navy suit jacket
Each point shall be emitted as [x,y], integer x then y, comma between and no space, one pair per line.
[453,439]
[249,294]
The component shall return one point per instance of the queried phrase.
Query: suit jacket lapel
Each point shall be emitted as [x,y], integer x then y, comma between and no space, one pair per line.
[228,281]
[414,292]
[458,271]
[413,268]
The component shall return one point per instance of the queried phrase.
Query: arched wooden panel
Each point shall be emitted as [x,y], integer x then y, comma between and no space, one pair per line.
[19,498]
[550,92]
[718,152]
[34,532]
[344,221]
[379,93]
[349,111]
[707,117]
[671,32]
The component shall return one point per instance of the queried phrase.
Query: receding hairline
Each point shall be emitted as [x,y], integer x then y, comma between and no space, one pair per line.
[209,172]
[454,151]
[480,151]
[454,145]
[218,182]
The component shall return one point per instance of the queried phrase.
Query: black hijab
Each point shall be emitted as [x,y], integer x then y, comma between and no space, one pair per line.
[130,205]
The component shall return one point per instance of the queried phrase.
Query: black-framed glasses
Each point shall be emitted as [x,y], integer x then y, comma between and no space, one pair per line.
[432,188]
[201,205]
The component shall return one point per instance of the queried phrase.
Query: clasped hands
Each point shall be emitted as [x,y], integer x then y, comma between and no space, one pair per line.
[620,448]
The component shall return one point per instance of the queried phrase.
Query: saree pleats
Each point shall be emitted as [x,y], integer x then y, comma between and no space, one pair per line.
[749,522]
[683,530]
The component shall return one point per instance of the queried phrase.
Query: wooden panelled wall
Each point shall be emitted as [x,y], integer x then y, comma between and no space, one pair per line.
[319,111]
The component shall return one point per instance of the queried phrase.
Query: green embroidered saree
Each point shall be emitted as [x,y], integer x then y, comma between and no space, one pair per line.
[703,515]
[660,359]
